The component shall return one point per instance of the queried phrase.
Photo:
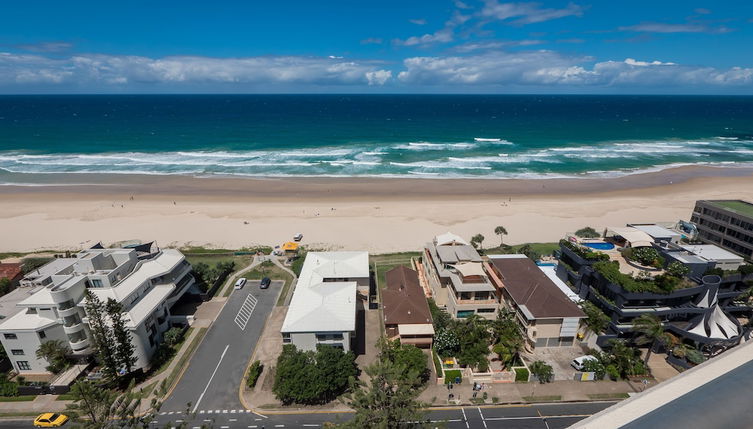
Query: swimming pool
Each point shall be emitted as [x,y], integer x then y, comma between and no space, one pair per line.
[599,245]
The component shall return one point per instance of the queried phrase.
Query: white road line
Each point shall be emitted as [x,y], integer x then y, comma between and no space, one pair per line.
[311,426]
[252,427]
[244,314]
[224,427]
[567,416]
[232,411]
[465,418]
[207,420]
[210,379]
[260,415]
[155,421]
[201,412]
[179,421]
[279,426]
[171,413]
[224,411]
[482,416]
[217,411]
[232,420]
[196,427]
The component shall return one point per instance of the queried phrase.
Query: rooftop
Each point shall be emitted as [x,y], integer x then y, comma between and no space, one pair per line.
[9,270]
[320,304]
[738,206]
[529,287]
[656,231]
[711,252]
[403,300]
[161,264]
[23,321]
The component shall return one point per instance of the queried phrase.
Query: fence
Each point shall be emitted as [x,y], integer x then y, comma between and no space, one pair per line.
[206,296]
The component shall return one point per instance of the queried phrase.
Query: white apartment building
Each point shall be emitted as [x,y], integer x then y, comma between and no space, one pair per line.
[323,308]
[145,281]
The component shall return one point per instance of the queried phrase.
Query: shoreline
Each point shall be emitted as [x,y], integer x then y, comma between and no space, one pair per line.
[378,215]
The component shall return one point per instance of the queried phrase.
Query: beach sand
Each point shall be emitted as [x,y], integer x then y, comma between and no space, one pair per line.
[378,215]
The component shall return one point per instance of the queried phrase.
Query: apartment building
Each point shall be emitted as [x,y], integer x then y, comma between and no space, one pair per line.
[455,272]
[726,223]
[146,281]
[324,305]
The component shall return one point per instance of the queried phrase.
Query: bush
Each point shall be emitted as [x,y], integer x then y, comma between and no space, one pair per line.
[714,272]
[437,363]
[521,375]
[745,269]
[612,371]
[542,371]
[254,371]
[451,374]
[595,366]
[7,387]
[584,252]
[611,272]
[647,256]
[406,355]
[677,269]
[596,319]
[173,336]
[587,232]
[308,377]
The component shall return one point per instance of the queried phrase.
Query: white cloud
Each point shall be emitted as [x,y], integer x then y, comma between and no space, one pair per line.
[660,27]
[372,41]
[549,68]
[45,47]
[444,35]
[118,70]
[494,44]
[527,13]
[417,21]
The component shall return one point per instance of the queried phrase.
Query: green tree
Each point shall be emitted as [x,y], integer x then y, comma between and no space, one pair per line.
[474,337]
[478,241]
[406,355]
[646,256]
[440,318]
[596,319]
[173,336]
[595,366]
[624,359]
[500,231]
[650,331]
[5,286]
[388,400]
[507,337]
[527,250]
[677,269]
[97,407]
[587,232]
[446,343]
[543,371]
[124,348]
[55,352]
[102,335]
[307,377]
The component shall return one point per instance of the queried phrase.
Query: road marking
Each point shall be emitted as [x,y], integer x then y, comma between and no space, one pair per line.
[244,314]
[465,418]
[201,412]
[482,416]
[171,413]
[163,413]
[207,420]
[232,420]
[224,411]
[155,421]
[196,407]
[224,427]
[564,416]
[279,426]
[216,411]
[232,411]
[260,415]
[196,427]
[311,426]
[179,421]
[252,427]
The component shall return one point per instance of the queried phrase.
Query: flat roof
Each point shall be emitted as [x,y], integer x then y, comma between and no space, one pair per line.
[9,302]
[23,321]
[711,252]
[738,206]
[657,231]
[147,303]
[530,287]
[161,264]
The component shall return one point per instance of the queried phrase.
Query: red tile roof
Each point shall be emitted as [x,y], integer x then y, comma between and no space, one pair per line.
[10,270]
[403,300]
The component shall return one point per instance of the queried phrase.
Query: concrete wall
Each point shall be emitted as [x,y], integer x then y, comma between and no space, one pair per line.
[453,307]
[308,340]
[29,342]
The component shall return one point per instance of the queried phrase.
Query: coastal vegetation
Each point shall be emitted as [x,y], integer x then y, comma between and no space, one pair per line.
[584,252]
[500,231]
[312,377]
[596,319]
[661,284]
[111,338]
[650,331]
[587,232]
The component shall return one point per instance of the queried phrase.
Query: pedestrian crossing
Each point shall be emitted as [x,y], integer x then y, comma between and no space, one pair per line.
[244,314]
[170,413]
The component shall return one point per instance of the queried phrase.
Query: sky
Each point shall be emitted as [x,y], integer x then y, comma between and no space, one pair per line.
[333,46]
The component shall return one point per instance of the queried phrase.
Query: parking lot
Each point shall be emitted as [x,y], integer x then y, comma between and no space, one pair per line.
[559,358]
[213,377]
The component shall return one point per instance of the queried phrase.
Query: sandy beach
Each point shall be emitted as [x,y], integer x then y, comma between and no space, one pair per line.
[379,215]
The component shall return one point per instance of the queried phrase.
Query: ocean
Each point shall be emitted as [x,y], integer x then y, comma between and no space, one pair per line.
[431,136]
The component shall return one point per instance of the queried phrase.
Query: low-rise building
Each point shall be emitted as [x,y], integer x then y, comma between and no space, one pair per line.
[660,234]
[145,281]
[456,275]
[548,317]
[325,302]
[406,312]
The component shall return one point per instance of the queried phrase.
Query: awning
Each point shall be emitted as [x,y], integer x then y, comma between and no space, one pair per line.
[290,246]
[449,239]
[635,237]
[416,329]
[470,269]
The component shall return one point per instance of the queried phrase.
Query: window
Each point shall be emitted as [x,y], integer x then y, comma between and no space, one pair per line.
[42,335]
[328,337]
[11,337]
[17,352]
[286,337]
[485,310]
[464,314]
[23,365]
[96,283]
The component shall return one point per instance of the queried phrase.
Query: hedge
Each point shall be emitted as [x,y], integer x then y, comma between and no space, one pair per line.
[451,374]
[254,371]
[521,375]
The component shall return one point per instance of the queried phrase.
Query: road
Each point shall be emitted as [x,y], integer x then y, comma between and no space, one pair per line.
[212,379]
[536,416]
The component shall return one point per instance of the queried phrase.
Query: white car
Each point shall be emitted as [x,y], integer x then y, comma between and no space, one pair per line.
[298,237]
[240,283]
[578,363]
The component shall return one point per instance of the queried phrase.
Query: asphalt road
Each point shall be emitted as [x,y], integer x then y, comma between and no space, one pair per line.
[212,379]
[723,402]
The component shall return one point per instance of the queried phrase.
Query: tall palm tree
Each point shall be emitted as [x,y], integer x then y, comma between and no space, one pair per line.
[651,331]
[500,230]
[55,352]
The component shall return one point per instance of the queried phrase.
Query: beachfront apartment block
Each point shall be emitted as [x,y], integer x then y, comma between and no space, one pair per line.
[325,302]
[459,283]
[725,223]
[406,312]
[49,304]
[548,317]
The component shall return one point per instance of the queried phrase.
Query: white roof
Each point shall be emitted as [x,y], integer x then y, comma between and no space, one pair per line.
[711,252]
[657,231]
[147,303]
[470,269]
[155,267]
[449,239]
[551,272]
[23,321]
[416,329]
[326,306]
[636,237]
[41,295]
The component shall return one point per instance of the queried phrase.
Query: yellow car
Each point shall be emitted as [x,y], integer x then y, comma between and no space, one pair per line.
[50,420]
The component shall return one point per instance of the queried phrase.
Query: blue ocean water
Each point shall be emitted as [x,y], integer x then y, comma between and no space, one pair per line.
[508,136]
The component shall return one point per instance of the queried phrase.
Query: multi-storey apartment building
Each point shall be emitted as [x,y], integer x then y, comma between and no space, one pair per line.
[455,271]
[726,223]
[146,281]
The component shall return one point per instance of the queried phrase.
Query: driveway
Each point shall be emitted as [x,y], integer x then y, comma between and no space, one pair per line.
[212,379]
[559,358]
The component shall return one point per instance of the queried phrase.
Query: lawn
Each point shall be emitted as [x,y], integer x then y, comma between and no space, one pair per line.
[241,261]
[738,206]
[269,269]
[542,249]
[608,396]
[383,263]
[20,398]
[548,398]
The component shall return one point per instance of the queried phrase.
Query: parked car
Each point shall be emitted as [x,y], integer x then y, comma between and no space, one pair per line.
[298,237]
[578,362]
[265,282]
[240,283]
[50,420]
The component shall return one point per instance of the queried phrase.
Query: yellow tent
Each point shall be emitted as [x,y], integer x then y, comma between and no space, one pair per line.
[290,247]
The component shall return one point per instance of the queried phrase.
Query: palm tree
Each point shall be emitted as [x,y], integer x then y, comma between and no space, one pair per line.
[55,352]
[500,230]
[651,331]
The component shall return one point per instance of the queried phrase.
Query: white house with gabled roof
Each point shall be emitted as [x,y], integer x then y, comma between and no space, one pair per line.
[324,304]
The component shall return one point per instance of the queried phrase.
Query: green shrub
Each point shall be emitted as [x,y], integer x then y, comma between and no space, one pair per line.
[254,371]
[437,363]
[647,256]
[543,371]
[585,252]
[745,269]
[587,232]
[595,366]
[596,319]
[521,375]
[714,272]
[612,371]
[173,336]
[677,269]
[7,387]
[451,374]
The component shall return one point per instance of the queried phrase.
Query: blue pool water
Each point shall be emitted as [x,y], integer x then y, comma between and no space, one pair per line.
[546,264]
[599,245]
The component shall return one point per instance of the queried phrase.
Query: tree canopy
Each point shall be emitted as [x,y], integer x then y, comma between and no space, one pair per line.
[308,377]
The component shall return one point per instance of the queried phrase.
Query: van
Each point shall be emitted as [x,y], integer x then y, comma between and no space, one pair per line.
[578,363]
[240,283]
